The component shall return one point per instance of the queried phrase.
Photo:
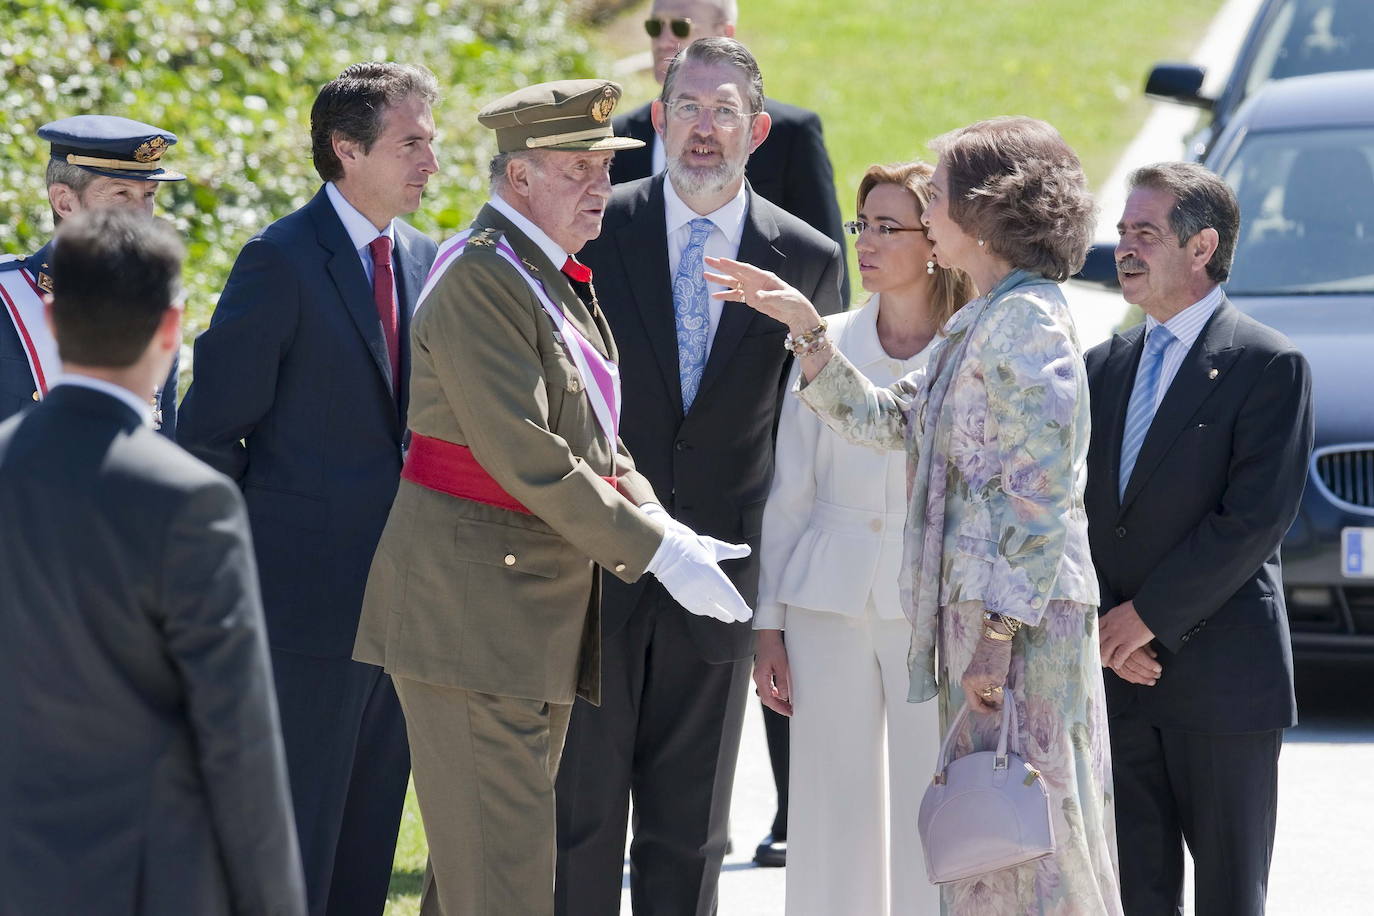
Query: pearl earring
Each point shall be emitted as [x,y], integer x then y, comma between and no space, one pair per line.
[981,243]
[930,267]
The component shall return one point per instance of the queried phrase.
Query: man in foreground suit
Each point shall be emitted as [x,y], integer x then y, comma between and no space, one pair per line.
[141,769]
[483,600]
[94,161]
[703,382]
[300,395]
[1202,428]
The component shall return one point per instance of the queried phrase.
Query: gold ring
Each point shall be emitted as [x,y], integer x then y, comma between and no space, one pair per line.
[988,692]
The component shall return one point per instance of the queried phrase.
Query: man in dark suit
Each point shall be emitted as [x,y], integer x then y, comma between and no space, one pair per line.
[791,168]
[95,161]
[141,769]
[1202,428]
[702,384]
[300,395]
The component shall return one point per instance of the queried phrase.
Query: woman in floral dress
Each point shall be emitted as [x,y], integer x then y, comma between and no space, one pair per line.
[995,428]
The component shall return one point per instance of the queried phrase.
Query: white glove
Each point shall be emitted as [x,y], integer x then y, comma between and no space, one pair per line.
[687,564]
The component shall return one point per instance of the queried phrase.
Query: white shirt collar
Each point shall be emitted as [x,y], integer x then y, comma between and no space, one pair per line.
[141,406]
[1188,324]
[729,219]
[360,230]
[556,255]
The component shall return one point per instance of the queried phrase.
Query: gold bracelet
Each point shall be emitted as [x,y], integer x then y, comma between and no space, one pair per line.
[799,344]
[990,633]
[1011,623]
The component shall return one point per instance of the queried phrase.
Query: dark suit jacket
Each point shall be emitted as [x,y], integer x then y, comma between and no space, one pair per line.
[791,168]
[16,380]
[711,468]
[294,364]
[141,770]
[1195,542]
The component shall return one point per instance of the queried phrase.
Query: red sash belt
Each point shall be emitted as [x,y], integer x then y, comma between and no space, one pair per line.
[447,467]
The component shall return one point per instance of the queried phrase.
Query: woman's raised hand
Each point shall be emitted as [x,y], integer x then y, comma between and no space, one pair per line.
[763,291]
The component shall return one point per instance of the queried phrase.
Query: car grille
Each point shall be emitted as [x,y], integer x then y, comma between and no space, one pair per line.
[1349,475]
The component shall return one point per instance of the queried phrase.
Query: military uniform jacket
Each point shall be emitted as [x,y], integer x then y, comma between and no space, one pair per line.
[17,386]
[466,595]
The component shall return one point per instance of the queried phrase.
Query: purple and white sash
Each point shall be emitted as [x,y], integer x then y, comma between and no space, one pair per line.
[600,376]
[23,303]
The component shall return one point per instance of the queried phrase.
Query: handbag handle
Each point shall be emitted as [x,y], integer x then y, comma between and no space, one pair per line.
[1009,724]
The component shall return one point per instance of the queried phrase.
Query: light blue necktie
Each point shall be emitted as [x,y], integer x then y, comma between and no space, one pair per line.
[1141,411]
[691,311]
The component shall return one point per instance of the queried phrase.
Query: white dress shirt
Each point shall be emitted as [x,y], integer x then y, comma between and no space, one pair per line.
[836,512]
[556,255]
[723,242]
[361,232]
[1185,326]
[141,406]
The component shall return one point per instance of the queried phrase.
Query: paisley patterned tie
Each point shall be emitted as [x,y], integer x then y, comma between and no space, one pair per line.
[691,311]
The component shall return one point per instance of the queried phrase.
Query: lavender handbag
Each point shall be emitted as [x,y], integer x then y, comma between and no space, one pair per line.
[986,811]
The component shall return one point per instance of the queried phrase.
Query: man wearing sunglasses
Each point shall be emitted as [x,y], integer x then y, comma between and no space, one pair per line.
[791,169]
[703,380]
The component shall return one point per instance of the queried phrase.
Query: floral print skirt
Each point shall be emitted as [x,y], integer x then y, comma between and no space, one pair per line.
[1056,677]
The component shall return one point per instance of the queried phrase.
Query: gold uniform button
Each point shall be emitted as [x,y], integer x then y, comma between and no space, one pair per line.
[620,567]
[35,395]
[876,524]
[510,559]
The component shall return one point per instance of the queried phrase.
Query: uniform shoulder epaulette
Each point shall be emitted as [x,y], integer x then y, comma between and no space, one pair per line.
[11,262]
[485,238]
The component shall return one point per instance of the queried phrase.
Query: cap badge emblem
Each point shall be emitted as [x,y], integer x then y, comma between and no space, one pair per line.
[602,107]
[151,151]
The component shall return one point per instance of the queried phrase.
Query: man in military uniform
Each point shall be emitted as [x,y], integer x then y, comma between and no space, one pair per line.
[483,601]
[95,161]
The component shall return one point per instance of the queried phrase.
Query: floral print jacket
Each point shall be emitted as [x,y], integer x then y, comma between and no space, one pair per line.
[1013,436]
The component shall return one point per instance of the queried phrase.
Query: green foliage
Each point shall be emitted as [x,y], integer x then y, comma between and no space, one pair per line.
[234,79]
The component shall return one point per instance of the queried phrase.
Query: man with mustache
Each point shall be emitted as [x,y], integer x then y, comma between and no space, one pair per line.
[703,381]
[300,395]
[1201,432]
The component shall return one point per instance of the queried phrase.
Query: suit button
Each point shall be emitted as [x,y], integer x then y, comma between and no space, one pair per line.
[1185,637]
[681,445]
[1037,601]
[574,385]
[1121,532]
[620,567]
[876,524]
[510,559]
[35,395]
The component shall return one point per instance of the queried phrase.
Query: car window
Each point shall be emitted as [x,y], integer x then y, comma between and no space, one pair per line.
[1307,212]
[1314,36]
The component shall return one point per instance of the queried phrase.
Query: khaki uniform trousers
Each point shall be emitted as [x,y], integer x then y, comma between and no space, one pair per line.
[484,768]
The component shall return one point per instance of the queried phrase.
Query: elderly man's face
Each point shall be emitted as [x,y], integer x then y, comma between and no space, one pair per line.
[1157,273]
[707,22]
[702,156]
[565,194]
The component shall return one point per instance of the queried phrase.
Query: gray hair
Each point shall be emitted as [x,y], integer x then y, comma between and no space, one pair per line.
[353,104]
[725,51]
[1202,201]
[496,170]
[73,176]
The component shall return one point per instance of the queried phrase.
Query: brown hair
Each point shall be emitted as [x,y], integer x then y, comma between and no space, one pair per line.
[1201,201]
[951,289]
[1015,184]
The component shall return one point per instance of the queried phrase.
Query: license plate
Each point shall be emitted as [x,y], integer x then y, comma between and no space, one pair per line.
[1357,552]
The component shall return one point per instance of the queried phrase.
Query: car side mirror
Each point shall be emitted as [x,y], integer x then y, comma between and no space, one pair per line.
[1178,83]
[1100,267]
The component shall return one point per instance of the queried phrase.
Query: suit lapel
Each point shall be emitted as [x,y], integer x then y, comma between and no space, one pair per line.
[642,243]
[346,270]
[755,247]
[410,279]
[1206,363]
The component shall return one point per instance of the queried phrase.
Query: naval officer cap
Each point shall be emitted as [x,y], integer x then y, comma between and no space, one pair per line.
[562,115]
[112,146]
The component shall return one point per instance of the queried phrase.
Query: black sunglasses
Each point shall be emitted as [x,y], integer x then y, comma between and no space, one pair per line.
[680,28]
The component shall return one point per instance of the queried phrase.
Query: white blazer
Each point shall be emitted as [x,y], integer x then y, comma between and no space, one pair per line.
[832,528]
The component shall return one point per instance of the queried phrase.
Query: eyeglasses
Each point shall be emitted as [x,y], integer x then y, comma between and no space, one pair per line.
[857,226]
[723,116]
[680,28]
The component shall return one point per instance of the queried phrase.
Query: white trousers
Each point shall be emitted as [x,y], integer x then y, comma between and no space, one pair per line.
[852,844]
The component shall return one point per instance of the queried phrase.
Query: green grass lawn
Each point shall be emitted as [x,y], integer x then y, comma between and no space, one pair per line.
[888,75]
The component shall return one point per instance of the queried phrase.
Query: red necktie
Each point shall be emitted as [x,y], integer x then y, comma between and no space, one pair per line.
[575,271]
[384,294]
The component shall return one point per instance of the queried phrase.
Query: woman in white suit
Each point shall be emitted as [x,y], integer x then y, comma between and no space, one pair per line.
[832,638]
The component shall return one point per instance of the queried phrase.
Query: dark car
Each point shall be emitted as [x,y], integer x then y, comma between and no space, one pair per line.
[1300,156]
[1287,38]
